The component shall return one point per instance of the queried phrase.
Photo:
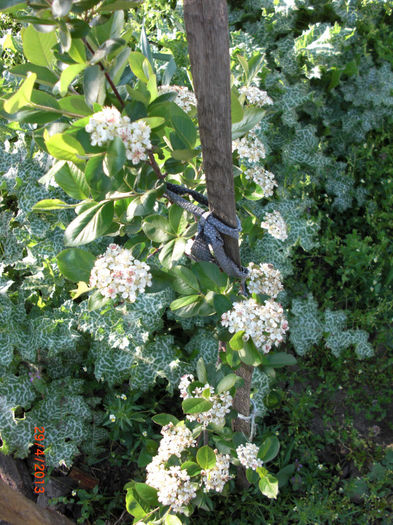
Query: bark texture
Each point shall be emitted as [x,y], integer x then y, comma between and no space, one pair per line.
[207,31]
[16,509]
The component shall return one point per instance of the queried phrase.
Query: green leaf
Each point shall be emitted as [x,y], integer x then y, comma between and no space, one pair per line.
[278,360]
[170,519]
[50,205]
[184,301]
[221,303]
[76,264]
[164,419]
[136,61]
[237,112]
[171,252]
[77,51]
[206,457]
[68,75]
[94,85]
[249,354]
[269,449]
[184,281]
[148,495]
[227,383]
[73,181]
[7,4]
[145,46]
[64,146]
[133,506]
[177,219]
[154,122]
[210,276]
[90,224]
[75,104]
[98,182]
[44,76]
[116,156]
[118,5]
[268,485]
[236,342]
[194,405]
[22,97]
[252,116]
[193,469]
[37,47]
[201,371]
[156,229]
[141,206]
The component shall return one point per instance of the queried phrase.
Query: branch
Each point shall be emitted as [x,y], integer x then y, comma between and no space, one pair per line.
[118,96]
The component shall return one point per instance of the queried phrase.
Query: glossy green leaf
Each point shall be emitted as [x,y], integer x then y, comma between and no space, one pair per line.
[73,181]
[76,264]
[64,146]
[269,449]
[201,371]
[50,205]
[184,301]
[268,485]
[221,303]
[22,97]
[94,85]
[154,122]
[237,342]
[249,354]
[98,182]
[116,156]
[227,382]
[90,224]
[37,47]
[206,457]
[184,281]
[77,51]
[164,419]
[44,76]
[61,7]
[97,301]
[136,61]
[252,116]
[196,405]
[170,519]
[237,112]
[156,229]
[74,104]
[147,494]
[133,506]
[172,252]
[210,276]
[68,75]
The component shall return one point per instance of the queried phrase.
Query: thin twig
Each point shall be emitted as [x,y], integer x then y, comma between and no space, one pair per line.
[117,94]
[155,166]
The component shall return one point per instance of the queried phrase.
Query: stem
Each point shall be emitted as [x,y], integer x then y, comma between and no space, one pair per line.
[114,89]
[155,166]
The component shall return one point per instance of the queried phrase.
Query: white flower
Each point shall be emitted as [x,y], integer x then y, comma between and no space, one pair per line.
[216,477]
[118,274]
[247,455]
[275,225]
[108,124]
[175,440]
[265,324]
[123,396]
[264,179]
[185,99]
[112,418]
[221,402]
[264,279]
[256,96]
[249,147]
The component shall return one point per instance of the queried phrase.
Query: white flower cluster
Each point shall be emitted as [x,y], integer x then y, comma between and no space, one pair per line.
[264,279]
[265,324]
[249,147]
[275,225]
[117,273]
[216,477]
[185,98]
[256,96]
[109,123]
[221,402]
[265,179]
[247,455]
[173,484]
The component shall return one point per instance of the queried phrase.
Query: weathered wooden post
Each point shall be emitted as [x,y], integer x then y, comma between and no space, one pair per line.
[207,31]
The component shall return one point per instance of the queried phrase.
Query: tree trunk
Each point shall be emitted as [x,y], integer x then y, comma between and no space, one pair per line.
[207,31]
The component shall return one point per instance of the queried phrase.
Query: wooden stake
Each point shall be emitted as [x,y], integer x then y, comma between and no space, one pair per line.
[207,31]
